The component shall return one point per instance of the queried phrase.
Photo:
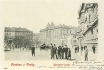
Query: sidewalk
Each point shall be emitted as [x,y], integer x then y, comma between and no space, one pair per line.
[91,56]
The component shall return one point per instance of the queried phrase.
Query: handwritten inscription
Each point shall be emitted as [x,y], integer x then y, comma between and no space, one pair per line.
[89,65]
[86,65]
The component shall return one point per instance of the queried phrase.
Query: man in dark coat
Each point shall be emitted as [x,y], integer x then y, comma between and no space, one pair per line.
[86,53]
[81,48]
[55,51]
[59,52]
[66,51]
[33,50]
[52,52]
[75,50]
[62,52]
[93,48]
[69,53]
[78,49]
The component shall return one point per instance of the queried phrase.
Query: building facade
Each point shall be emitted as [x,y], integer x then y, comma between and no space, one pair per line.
[56,34]
[88,22]
[19,36]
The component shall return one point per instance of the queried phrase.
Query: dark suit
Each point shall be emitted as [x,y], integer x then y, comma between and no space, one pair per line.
[33,51]
[66,51]
[63,52]
[52,52]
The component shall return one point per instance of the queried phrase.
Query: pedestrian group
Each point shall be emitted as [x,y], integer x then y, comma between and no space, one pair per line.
[63,52]
[60,52]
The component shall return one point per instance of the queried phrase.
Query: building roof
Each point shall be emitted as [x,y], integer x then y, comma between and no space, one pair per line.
[14,29]
[52,26]
[86,6]
[8,29]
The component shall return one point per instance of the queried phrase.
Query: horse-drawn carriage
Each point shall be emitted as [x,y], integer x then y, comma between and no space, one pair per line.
[44,47]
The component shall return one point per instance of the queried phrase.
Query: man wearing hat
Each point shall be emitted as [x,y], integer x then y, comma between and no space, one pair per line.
[66,51]
[33,50]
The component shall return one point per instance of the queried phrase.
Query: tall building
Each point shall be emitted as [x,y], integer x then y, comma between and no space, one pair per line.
[56,34]
[88,22]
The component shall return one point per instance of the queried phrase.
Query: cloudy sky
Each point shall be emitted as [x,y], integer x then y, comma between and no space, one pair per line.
[35,14]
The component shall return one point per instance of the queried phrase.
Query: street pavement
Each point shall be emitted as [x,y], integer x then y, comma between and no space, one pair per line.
[40,55]
[91,56]
[26,55]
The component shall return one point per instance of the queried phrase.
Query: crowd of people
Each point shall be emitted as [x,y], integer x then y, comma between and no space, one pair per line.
[60,52]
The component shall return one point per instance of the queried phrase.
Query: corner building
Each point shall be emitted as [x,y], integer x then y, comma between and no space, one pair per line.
[88,22]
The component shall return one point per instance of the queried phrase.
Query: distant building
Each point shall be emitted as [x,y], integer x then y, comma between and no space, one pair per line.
[18,35]
[56,34]
[88,22]
[9,32]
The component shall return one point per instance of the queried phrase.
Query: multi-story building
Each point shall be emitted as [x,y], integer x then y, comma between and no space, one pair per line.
[24,37]
[20,36]
[88,21]
[9,34]
[56,34]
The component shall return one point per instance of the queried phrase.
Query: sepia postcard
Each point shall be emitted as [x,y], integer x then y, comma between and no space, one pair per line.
[52,34]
